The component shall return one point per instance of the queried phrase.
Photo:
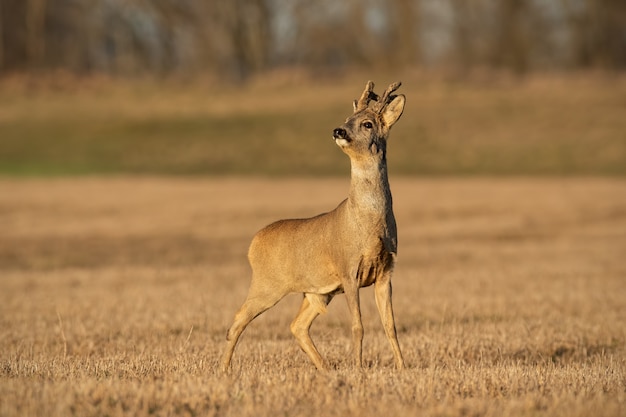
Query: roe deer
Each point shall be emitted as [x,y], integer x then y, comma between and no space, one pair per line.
[353,246]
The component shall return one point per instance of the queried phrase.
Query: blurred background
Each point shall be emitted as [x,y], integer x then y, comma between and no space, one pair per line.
[495,87]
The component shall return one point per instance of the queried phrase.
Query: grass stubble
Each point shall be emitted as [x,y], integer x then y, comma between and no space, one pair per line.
[116,293]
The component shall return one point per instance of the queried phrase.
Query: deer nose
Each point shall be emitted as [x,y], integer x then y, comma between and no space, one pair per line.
[339,133]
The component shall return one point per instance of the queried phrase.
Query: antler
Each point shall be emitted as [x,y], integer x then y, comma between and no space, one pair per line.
[366,97]
[369,95]
[387,97]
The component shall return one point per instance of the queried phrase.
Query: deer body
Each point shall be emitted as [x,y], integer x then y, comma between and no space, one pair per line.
[353,246]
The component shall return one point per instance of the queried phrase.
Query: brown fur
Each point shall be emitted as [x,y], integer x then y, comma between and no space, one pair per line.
[353,246]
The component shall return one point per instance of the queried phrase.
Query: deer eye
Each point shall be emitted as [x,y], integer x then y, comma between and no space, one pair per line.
[368,125]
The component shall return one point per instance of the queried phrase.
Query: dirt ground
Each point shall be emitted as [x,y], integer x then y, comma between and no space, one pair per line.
[116,293]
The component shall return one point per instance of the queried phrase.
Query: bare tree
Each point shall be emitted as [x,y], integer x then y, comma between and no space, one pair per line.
[247,26]
[1,38]
[510,38]
[238,38]
[464,50]
[35,31]
[598,32]
[472,33]
[404,27]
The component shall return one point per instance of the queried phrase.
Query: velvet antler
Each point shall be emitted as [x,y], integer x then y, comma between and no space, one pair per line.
[369,95]
[366,97]
[387,97]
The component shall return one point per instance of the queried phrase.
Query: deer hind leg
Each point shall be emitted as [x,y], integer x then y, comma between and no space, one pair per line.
[256,303]
[383,302]
[312,306]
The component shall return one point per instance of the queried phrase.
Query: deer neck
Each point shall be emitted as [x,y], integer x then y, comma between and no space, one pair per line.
[369,187]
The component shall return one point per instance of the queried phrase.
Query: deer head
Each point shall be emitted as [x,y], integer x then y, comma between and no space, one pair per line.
[366,131]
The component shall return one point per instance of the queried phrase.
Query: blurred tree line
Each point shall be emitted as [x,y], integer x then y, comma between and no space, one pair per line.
[238,38]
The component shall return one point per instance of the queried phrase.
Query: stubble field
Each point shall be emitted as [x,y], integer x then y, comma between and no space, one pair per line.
[116,293]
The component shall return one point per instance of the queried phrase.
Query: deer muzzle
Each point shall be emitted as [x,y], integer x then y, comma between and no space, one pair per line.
[340,133]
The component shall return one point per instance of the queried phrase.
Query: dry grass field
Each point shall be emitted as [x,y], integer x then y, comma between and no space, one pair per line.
[116,293]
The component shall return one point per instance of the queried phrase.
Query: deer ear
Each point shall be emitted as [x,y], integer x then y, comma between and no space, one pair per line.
[393,110]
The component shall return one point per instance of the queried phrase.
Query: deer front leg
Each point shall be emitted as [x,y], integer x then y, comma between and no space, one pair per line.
[352,297]
[383,302]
